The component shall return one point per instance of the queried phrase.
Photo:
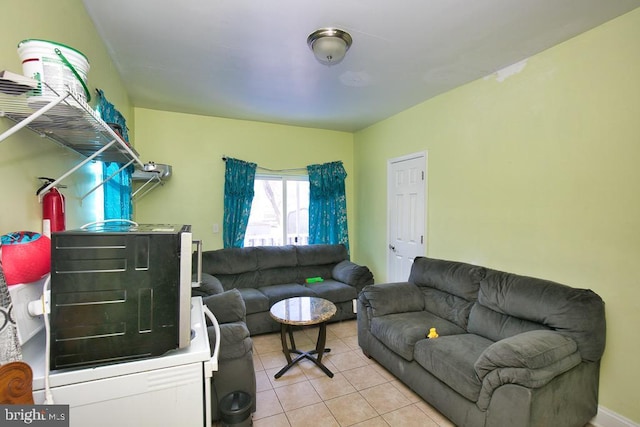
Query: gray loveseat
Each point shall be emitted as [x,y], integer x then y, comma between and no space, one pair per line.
[512,350]
[235,360]
[265,275]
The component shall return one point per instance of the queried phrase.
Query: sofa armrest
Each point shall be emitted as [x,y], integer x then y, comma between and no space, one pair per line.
[352,274]
[387,298]
[227,306]
[234,340]
[210,285]
[530,359]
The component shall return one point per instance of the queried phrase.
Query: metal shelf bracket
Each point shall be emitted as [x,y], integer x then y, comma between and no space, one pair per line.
[69,121]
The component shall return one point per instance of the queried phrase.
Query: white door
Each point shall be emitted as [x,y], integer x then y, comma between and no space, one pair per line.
[406,206]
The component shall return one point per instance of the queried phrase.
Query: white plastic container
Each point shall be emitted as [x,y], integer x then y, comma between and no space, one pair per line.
[61,67]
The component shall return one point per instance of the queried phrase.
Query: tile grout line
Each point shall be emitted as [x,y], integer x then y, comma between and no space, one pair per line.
[309,380]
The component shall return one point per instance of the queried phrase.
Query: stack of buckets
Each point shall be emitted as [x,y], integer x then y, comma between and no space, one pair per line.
[62,68]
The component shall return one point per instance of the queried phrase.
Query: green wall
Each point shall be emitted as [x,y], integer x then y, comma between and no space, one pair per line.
[537,174]
[25,156]
[194,146]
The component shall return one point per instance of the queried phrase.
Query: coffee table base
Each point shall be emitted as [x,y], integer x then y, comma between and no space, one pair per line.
[314,355]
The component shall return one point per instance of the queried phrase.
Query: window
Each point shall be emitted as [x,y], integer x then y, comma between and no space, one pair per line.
[279,212]
[95,201]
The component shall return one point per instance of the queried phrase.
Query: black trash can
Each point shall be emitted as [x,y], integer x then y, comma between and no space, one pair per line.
[235,409]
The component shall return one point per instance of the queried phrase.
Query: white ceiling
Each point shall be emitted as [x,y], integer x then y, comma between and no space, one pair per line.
[248,59]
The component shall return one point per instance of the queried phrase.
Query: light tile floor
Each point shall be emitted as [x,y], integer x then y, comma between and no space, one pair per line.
[361,393]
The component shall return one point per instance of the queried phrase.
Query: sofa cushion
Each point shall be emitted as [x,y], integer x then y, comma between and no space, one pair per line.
[321,254]
[455,278]
[400,331]
[247,279]
[497,326]
[234,340]
[209,285]
[393,298]
[333,291]
[254,300]
[307,271]
[451,359]
[446,305]
[348,272]
[531,359]
[275,256]
[276,276]
[229,261]
[535,349]
[227,306]
[557,306]
[277,293]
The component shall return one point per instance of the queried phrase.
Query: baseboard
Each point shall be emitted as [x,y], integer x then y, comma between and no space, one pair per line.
[607,418]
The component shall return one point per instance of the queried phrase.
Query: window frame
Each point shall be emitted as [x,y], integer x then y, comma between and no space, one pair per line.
[283,179]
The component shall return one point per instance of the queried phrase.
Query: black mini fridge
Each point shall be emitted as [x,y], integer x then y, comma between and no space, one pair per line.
[118,293]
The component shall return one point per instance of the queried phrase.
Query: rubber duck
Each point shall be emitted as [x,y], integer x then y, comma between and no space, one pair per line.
[432,333]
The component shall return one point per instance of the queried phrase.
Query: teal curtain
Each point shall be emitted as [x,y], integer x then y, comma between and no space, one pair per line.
[238,195]
[117,191]
[327,204]
[111,115]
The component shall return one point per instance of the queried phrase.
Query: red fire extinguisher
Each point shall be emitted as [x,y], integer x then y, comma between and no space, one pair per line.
[52,208]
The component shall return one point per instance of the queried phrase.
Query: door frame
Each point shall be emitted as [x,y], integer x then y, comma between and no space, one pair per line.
[417,155]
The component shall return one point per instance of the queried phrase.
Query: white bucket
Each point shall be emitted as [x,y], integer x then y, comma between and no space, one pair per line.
[61,67]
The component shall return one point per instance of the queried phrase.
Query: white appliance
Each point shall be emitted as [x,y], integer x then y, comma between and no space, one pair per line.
[119,291]
[172,389]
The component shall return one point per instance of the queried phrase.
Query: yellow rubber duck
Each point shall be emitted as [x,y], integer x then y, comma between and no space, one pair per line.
[432,333]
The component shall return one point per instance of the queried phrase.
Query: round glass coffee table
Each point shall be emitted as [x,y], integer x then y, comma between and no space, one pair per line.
[303,311]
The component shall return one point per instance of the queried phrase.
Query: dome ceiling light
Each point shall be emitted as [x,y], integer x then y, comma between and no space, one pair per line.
[329,45]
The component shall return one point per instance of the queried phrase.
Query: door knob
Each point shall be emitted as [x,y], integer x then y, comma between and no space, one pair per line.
[393,248]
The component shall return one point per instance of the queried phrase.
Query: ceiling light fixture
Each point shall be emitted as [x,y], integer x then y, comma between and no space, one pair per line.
[329,45]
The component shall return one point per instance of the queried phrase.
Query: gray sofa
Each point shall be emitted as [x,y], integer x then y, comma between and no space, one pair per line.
[512,350]
[265,275]
[235,360]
